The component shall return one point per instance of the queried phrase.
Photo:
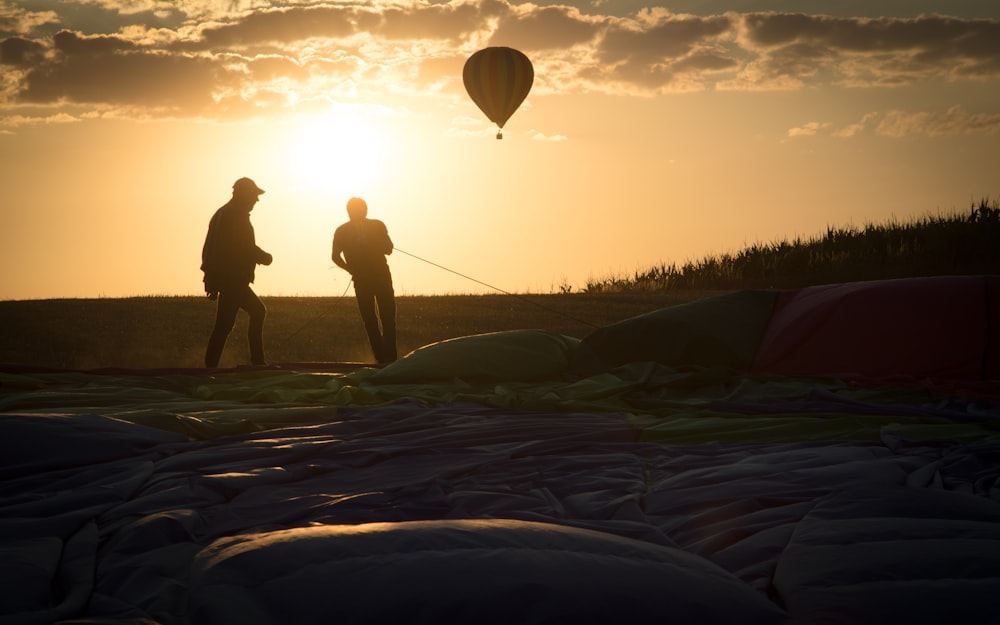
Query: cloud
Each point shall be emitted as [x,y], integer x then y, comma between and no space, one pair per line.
[18,21]
[221,59]
[808,129]
[536,135]
[13,121]
[856,128]
[865,51]
[111,70]
[953,122]
[453,22]
[553,28]
[667,38]
[896,124]
[285,26]
[20,52]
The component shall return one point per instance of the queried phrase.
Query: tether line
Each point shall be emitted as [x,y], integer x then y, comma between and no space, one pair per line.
[495,288]
[317,317]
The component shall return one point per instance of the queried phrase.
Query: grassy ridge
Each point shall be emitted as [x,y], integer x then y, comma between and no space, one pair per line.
[959,244]
[154,332]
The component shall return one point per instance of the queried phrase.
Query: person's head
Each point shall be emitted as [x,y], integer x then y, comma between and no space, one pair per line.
[246,190]
[357,208]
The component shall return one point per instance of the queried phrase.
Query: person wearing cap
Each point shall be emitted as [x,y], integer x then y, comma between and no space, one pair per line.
[229,257]
[360,247]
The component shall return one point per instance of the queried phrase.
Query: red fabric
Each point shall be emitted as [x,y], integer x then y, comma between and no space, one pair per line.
[934,327]
[991,366]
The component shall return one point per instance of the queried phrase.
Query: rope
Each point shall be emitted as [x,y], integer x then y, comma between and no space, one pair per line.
[524,299]
[316,317]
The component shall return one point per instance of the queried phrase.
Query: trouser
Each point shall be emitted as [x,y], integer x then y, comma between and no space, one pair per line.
[231,300]
[377,304]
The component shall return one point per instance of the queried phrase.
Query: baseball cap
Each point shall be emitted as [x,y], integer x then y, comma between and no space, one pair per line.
[246,185]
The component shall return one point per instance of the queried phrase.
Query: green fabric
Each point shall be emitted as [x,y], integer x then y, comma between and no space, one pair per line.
[515,355]
[717,331]
[664,404]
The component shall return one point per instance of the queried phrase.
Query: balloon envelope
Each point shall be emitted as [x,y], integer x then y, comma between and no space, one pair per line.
[498,79]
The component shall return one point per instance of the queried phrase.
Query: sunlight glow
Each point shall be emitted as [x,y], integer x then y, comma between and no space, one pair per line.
[342,148]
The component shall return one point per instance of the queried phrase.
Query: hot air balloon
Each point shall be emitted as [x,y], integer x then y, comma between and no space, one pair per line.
[498,79]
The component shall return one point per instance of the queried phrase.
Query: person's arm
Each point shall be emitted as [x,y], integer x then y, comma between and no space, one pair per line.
[208,263]
[337,254]
[387,242]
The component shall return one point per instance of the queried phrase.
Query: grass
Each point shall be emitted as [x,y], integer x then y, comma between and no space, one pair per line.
[155,332]
[169,332]
[957,244]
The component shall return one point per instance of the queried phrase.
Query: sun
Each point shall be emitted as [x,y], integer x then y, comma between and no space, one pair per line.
[340,149]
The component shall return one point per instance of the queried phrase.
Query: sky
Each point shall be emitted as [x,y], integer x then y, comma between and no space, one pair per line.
[654,133]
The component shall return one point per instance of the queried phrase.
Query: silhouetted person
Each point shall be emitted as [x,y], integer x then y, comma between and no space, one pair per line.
[360,247]
[229,258]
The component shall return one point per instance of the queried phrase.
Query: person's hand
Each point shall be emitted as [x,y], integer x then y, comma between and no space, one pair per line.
[212,295]
[266,259]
